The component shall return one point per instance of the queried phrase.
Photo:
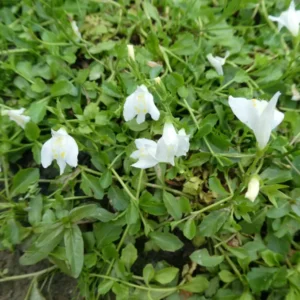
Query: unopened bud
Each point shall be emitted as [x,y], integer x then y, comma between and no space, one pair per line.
[253,188]
[130,49]
[157,80]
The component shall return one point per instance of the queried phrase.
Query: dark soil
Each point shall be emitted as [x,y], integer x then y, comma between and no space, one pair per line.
[61,287]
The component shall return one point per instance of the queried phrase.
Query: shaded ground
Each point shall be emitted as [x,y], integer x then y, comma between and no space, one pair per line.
[61,287]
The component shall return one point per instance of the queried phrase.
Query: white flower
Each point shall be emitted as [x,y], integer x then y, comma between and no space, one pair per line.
[17,116]
[76,30]
[130,49]
[259,115]
[140,103]
[172,144]
[289,18]
[217,62]
[295,93]
[145,154]
[61,147]
[253,189]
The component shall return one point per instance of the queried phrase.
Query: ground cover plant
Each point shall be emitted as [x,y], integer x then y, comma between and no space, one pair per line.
[150,149]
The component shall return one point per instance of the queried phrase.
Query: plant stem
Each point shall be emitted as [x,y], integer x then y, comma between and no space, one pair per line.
[124,185]
[146,288]
[24,276]
[157,186]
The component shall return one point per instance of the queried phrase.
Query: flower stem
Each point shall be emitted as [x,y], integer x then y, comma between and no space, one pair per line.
[141,287]
[24,276]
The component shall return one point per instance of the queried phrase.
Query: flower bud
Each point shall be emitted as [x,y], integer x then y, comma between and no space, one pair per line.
[253,188]
[130,49]
[157,80]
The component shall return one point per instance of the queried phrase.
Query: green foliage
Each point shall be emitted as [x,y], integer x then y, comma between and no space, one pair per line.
[170,232]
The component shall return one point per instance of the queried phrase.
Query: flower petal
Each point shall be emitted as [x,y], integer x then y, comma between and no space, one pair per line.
[169,134]
[183,143]
[145,163]
[152,109]
[62,165]
[216,63]
[129,111]
[165,153]
[140,118]
[46,154]
[264,126]
[72,151]
[244,110]
[140,143]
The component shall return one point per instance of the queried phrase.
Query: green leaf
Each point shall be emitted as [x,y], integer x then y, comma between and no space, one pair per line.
[197,284]
[151,205]
[101,47]
[35,209]
[203,258]
[166,275]
[106,179]
[132,214]
[275,175]
[23,179]
[106,233]
[105,286]
[216,186]
[118,197]
[279,212]
[63,87]
[37,110]
[226,276]
[32,131]
[173,205]
[213,222]
[74,249]
[35,293]
[36,253]
[148,273]
[189,229]
[260,279]
[151,11]
[39,85]
[81,212]
[166,241]
[91,186]
[271,258]
[184,45]
[129,256]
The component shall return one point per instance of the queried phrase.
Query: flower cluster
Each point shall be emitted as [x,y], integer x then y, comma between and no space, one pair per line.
[169,146]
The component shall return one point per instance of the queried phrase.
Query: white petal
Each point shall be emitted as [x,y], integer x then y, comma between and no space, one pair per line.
[152,109]
[46,154]
[183,143]
[142,88]
[145,153]
[169,134]
[129,111]
[144,163]
[165,153]
[263,128]
[292,5]
[135,154]
[140,118]
[62,165]
[72,152]
[216,63]
[140,143]
[244,110]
